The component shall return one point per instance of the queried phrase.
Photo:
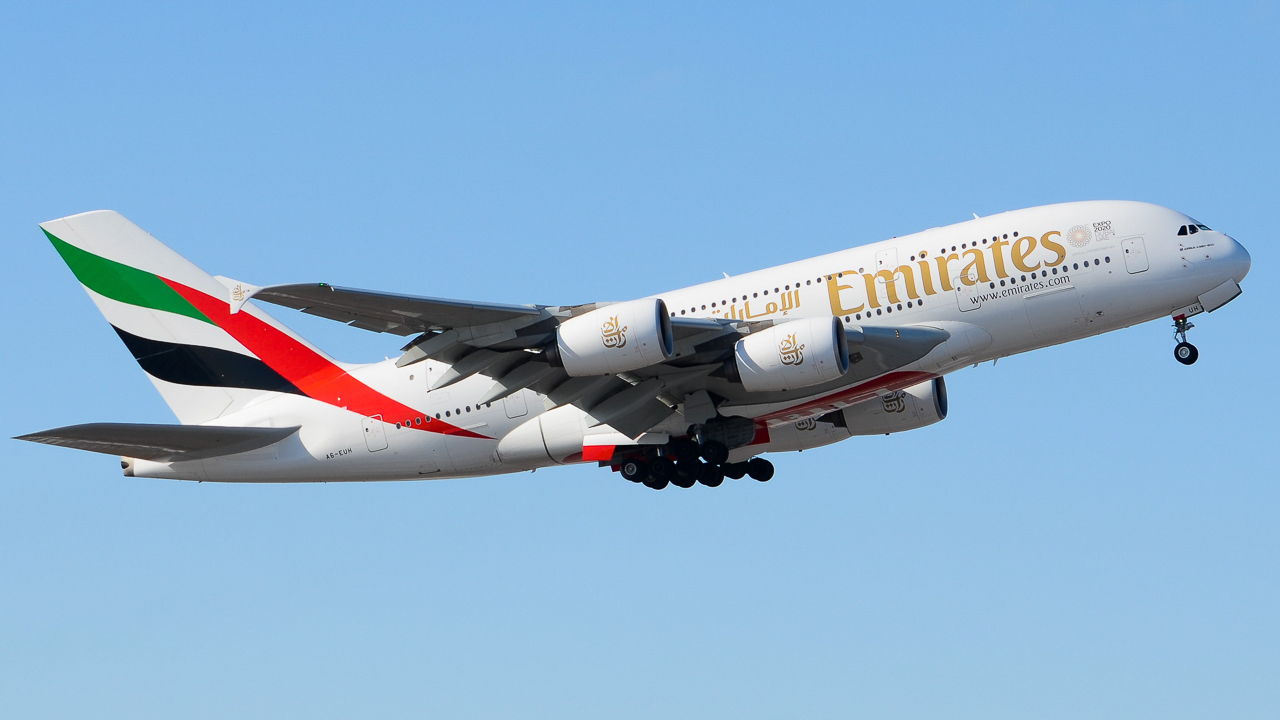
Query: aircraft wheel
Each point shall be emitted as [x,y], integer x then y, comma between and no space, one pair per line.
[655,483]
[687,473]
[760,469]
[714,452]
[662,468]
[1186,353]
[684,449]
[735,471]
[634,470]
[712,476]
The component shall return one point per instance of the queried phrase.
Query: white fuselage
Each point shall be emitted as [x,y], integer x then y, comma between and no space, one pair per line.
[1000,285]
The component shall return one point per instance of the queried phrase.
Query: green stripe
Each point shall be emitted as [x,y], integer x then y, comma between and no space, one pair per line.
[121,282]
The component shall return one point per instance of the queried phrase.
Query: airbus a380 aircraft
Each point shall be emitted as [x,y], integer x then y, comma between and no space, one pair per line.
[688,386]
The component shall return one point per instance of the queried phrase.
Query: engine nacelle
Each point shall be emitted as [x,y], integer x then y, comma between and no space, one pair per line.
[613,339]
[791,355]
[915,407]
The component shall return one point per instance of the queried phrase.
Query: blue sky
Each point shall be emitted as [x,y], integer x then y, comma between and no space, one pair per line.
[1091,533]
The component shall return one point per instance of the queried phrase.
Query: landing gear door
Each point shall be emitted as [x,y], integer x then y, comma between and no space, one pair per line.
[374,434]
[1135,255]
[967,296]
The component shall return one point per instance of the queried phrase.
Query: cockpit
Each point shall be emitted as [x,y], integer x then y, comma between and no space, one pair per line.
[1192,228]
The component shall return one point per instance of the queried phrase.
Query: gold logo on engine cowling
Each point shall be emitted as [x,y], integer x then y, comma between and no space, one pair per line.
[613,333]
[894,402]
[790,351]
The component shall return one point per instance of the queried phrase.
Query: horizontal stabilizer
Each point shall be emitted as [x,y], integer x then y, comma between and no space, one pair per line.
[161,443]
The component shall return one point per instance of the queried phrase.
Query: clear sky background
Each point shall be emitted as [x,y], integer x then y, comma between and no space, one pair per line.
[1093,532]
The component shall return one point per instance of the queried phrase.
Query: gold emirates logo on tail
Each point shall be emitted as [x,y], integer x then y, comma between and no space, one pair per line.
[791,352]
[613,334]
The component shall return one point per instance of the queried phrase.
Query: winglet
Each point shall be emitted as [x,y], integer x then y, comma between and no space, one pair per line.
[241,292]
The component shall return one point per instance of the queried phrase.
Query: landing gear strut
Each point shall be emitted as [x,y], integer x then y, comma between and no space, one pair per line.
[1184,352]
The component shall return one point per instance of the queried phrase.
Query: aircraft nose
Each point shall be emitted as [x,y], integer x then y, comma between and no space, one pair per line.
[1237,259]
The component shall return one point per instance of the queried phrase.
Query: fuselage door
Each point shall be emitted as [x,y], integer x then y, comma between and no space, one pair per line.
[374,434]
[967,296]
[515,404]
[1135,255]
[885,260]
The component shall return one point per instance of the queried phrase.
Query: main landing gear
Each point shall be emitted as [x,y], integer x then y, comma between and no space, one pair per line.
[1184,352]
[693,463]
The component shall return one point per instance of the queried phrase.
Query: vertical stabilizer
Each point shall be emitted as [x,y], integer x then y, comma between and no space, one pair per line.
[176,320]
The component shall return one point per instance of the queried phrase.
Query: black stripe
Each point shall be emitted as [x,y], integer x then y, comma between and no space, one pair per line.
[204,366]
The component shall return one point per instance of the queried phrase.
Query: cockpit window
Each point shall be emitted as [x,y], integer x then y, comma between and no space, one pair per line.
[1202,227]
[1182,230]
[1192,229]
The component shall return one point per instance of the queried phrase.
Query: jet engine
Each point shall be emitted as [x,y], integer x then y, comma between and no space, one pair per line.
[613,339]
[791,355]
[915,407]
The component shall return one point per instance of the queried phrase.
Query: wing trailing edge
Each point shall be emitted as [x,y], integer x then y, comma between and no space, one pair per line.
[161,443]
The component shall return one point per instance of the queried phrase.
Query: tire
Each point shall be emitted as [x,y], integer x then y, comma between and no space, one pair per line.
[1186,353]
[714,452]
[687,473]
[712,476]
[661,469]
[634,470]
[760,469]
[655,483]
[684,449]
[735,471]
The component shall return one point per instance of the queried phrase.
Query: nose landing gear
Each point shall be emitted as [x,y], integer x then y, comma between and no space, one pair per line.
[1184,352]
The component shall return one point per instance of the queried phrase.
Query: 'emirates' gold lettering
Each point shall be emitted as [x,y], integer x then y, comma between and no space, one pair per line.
[979,264]
[1020,253]
[1061,251]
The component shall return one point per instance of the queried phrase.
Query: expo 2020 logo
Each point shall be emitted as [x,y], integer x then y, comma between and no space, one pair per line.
[1079,236]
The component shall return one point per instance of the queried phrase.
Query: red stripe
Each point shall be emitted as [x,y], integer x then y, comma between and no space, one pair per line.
[762,434]
[314,375]
[598,453]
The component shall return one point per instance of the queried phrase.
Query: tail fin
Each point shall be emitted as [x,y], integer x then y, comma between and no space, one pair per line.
[177,320]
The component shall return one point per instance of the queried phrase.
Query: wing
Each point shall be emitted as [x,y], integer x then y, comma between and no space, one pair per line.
[505,343]
[388,312]
[162,443]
